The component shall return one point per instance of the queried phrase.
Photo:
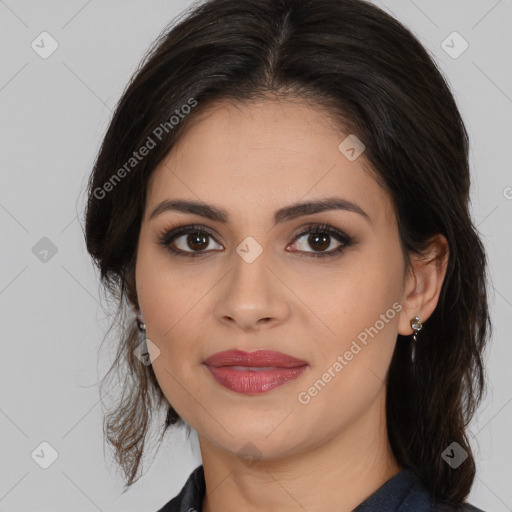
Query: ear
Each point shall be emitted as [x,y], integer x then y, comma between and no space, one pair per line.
[423,284]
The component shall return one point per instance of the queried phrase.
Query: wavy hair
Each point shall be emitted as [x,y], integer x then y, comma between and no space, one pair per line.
[364,69]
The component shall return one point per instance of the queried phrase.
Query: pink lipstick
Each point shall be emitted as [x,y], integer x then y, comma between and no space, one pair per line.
[254,372]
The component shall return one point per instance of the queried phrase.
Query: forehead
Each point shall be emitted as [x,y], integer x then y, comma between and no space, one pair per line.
[249,157]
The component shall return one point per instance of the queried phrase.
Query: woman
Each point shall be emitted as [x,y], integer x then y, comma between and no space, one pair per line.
[281,199]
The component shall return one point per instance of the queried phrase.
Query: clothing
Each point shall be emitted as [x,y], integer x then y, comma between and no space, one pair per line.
[403,492]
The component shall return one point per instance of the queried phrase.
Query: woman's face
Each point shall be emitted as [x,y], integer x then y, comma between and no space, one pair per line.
[257,284]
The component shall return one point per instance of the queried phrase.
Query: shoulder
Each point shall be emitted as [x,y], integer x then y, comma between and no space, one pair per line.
[471,508]
[191,495]
[418,499]
[465,507]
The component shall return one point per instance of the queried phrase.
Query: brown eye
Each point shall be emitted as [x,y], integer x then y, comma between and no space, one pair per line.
[319,242]
[321,238]
[191,241]
[188,240]
[197,241]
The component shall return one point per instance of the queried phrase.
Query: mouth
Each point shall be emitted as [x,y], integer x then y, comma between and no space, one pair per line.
[256,359]
[254,372]
[253,368]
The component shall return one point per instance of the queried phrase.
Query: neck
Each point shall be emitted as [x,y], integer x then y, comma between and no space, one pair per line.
[338,474]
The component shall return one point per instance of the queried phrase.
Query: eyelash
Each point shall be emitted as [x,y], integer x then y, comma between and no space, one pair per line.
[168,236]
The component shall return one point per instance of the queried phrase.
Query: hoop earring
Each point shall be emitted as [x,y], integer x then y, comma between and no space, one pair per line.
[416,324]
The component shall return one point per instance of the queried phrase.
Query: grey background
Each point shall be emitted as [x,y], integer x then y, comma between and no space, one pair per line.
[53,114]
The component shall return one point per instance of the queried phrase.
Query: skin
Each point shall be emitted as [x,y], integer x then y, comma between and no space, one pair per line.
[251,160]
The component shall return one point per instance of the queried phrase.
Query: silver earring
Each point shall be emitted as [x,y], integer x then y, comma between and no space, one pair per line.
[416,324]
[140,323]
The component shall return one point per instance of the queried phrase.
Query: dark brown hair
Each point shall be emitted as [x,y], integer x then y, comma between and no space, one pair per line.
[366,70]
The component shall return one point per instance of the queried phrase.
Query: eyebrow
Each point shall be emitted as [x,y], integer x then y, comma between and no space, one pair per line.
[290,212]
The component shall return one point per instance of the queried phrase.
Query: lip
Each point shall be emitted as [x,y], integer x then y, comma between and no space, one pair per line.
[258,358]
[254,372]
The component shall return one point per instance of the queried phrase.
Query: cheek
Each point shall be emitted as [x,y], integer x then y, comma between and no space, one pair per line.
[362,313]
[171,304]
[166,292]
[353,296]
[360,306]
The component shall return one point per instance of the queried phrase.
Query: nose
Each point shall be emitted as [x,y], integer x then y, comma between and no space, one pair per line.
[252,296]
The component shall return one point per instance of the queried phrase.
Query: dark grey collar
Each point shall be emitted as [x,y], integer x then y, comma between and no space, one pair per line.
[403,492]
